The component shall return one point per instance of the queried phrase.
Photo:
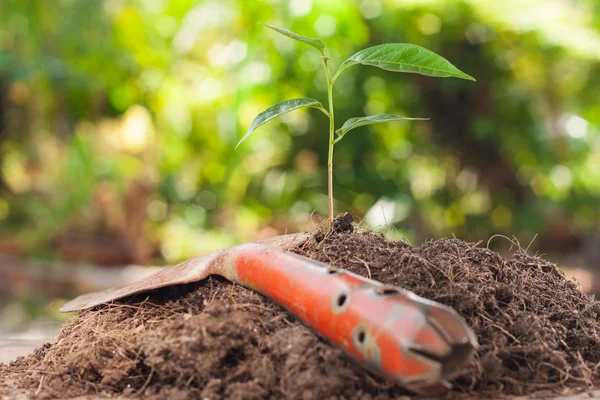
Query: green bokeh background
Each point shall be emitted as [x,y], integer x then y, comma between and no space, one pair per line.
[118,122]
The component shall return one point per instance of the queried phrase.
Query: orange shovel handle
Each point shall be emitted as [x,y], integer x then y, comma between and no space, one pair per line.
[393,332]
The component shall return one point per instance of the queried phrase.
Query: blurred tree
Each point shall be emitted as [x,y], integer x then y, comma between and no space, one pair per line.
[104,102]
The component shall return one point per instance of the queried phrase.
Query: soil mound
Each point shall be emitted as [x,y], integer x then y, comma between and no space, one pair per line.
[214,340]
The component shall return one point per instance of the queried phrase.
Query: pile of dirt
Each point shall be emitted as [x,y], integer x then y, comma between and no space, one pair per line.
[214,340]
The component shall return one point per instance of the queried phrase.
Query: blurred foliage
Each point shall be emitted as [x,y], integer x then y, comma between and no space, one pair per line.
[118,121]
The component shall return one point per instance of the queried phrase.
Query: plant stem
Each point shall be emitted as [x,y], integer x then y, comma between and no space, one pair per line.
[331,142]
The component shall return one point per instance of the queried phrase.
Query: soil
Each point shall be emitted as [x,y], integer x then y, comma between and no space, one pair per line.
[213,340]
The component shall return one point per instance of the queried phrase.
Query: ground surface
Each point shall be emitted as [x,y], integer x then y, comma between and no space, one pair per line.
[10,349]
[538,333]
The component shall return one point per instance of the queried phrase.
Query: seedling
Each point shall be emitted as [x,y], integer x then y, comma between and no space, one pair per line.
[396,57]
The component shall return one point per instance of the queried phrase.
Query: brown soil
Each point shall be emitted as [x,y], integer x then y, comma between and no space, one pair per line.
[537,331]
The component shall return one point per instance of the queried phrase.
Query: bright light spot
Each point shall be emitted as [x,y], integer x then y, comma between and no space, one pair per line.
[466,180]
[300,211]
[382,212]
[325,26]
[217,54]
[425,178]
[157,210]
[237,51]
[210,89]
[306,161]
[575,126]
[561,177]
[227,55]
[429,24]
[257,72]
[370,8]
[386,168]
[401,149]
[540,184]
[475,203]
[274,184]
[179,118]
[195,215]
[421,188]
[374,107]
[374,85]
[253,164]
[135,130]
[14,171]
[154,6]
[297,121]
[205,15]
[172,248]
[151,79]
[226,125]
[309,62]
[186,183]
[300,8]
[477,34]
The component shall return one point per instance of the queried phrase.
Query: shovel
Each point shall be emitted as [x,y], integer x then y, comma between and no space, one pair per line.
[416,343]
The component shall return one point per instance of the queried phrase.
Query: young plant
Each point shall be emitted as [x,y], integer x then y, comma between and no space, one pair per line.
[396,57]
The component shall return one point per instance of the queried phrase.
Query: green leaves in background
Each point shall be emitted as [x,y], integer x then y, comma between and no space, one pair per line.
[404,57]
[279,109]
[195,125]
[316,43]
[372,119]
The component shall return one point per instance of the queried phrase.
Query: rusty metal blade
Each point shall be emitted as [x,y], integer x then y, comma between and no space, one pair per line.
[193,270]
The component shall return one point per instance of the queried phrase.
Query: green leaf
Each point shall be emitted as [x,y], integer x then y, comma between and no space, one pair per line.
[279,109]
[316,43]
[372,119]
[404,57]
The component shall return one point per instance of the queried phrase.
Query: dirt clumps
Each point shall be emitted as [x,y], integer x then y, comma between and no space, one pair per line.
[536,329]
[214,340]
